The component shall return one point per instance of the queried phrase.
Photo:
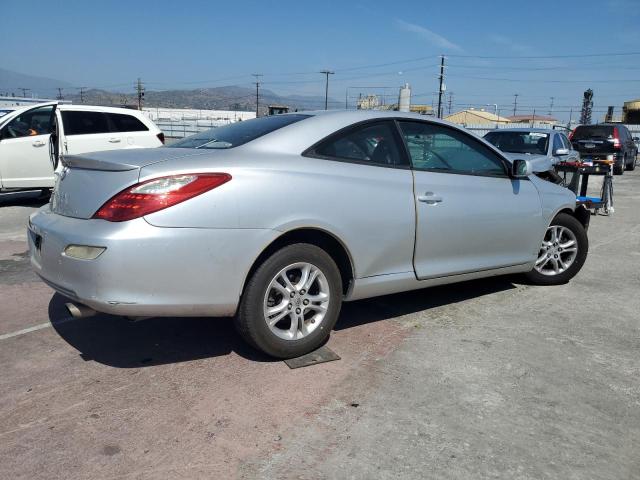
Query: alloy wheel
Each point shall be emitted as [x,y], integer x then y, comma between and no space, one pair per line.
[558,251]
[296,301]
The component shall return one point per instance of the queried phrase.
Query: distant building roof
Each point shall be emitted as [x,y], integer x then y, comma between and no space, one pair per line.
[474,117]
[530,117]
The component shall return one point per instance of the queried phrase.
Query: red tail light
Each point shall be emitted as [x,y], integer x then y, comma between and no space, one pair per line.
[157,194]
[616,138]
[571,134]
[161,137]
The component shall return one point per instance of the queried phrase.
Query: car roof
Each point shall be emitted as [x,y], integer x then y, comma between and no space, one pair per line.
[532,130]
[97,108]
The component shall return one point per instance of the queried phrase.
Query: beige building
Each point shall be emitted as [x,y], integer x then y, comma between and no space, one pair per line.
[476,117]
[631,112]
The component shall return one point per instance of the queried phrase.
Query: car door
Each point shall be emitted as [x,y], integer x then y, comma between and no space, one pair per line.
[24,149]
[470,215]
[88,131]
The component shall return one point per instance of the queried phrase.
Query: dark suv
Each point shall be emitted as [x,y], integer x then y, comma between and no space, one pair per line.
[606,141]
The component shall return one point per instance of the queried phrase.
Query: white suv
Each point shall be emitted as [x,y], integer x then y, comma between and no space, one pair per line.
[25,161]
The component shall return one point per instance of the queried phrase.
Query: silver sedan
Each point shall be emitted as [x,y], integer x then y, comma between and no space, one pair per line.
[276,221]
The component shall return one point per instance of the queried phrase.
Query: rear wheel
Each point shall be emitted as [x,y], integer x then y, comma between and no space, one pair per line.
[618,167]
[632,163]
[562,253]
[291,302]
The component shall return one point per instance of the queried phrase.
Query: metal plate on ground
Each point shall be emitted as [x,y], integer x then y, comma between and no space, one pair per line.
[321,355]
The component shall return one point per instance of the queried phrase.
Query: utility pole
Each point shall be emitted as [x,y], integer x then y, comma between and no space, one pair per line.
[326,73]
[139,86]
[82,89]
[515,103]
[257,82]
[60,96]
[450,102]
[24,91]
[570,117]
[440,89]
[551,106]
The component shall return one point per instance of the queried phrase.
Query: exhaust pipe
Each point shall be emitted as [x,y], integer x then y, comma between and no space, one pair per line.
[79,311]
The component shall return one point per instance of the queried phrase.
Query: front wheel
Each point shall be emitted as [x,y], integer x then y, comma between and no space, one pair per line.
[291,302]
[563,252]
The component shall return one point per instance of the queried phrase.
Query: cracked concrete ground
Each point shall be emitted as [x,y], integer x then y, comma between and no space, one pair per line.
[487,379]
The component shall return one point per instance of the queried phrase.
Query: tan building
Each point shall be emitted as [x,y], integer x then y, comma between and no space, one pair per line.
[631,112]
[476,117]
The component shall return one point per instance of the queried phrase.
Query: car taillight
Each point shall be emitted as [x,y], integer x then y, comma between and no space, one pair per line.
[571,134]
[616,138]
[157,194]
[161,137]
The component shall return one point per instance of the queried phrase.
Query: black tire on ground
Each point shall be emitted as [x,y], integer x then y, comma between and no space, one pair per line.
[570,222]
[250,319]
[618,168]
[631,166]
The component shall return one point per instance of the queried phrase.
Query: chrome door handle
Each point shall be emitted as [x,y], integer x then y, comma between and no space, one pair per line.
[38,143]
[114,140]
[430,198]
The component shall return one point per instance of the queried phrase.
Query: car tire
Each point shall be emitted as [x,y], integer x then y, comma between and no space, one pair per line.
[618,168]
[631,166]
[571,231]
[307,323]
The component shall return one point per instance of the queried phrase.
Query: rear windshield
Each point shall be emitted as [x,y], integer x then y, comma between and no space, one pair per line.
[237,133]
[519,142]
[592,131]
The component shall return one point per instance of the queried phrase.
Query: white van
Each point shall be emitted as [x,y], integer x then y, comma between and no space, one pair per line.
[26,143]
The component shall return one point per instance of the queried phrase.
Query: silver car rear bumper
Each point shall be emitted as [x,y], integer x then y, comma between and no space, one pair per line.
[145,270]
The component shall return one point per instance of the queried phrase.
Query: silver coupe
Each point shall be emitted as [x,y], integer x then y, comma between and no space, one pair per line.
[276,221]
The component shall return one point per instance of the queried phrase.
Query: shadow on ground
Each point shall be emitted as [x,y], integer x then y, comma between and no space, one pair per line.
[23,199]
[122,343]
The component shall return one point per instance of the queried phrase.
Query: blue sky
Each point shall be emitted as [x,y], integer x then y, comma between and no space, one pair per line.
[192,44]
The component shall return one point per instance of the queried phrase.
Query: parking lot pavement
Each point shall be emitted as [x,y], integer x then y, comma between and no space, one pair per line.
[478,380]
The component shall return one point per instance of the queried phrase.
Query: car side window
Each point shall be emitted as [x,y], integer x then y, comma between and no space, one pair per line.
[557,143]
[436,148]
[126,123]
[84,122]
[566,142]
[372,143]
[31,123]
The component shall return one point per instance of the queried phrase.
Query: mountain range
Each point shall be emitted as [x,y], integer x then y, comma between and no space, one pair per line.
[217,98]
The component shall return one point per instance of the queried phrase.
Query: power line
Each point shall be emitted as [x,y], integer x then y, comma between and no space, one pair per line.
[587,55]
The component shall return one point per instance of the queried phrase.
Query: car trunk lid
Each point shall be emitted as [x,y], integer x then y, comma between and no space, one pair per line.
[87,181]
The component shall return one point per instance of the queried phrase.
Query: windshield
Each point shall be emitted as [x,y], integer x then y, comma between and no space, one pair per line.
[520,142]
[592,131]
[237,133]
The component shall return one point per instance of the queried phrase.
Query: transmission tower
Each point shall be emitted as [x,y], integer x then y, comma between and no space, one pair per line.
[587,106]
[60,96]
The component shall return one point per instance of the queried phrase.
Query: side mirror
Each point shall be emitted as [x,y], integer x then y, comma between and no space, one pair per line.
[521,168]
[561,151]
